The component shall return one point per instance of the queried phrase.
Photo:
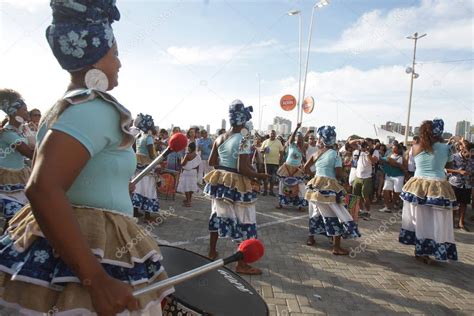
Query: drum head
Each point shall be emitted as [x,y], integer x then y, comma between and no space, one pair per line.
[218,292]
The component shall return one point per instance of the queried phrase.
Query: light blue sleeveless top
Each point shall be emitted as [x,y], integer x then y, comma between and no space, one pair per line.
[142,142]
[103,182]
[10,158]
[327,163]
[295,157]
[230,150]
[433,164]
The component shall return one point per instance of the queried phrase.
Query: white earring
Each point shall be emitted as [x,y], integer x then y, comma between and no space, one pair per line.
[97,80]
[19,119]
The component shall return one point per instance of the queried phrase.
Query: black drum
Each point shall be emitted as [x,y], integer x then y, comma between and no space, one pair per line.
[218,292]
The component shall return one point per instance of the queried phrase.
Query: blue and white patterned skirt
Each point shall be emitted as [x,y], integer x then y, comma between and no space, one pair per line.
[12,191]
[430,229]
[331,219]
[31,269]
[145,196]
[233,205]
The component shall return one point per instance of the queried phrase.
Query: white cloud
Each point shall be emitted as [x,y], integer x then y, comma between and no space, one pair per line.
[449,26]
[354,100]
[30,5]
[196,55]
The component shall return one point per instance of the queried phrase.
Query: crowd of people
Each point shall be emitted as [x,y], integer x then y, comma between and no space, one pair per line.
[68,202]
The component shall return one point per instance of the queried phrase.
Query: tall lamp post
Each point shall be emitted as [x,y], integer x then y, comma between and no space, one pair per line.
[414,75]
[318,5]
[298,13]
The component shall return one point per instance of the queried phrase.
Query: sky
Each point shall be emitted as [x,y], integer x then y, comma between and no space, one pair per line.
[185,61]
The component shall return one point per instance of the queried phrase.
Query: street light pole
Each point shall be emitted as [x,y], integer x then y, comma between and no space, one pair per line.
[414,75]
[259,104]
[298,13]
[320,4]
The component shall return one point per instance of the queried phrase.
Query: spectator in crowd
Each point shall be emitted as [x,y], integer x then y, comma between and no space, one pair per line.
[410,161]
[460,179]
[188,179]
[163,138]
[204,146]
[30,128]
[174,158]
[363,184]
[379,173]
[310,147]
[272,150]
[191,135]
[394,177]
[221,132]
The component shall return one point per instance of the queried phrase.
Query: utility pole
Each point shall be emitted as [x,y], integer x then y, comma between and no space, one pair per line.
[414,75]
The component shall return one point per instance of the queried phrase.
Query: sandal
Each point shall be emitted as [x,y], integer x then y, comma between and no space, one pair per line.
[340,252]
[249,271]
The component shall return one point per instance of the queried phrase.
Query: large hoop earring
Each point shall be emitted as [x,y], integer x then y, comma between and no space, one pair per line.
[97,80]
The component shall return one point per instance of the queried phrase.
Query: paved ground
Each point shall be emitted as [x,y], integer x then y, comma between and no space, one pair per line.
[380,278]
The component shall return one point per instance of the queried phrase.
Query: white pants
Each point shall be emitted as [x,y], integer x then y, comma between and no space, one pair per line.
[393,184]
[203,170]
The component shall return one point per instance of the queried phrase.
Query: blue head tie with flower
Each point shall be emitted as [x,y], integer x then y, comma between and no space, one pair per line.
[12,107]
[239,114]
[144,122]
[327,134]
[80,34]
[438,127]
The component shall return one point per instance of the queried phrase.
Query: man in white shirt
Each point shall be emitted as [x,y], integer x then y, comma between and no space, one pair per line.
[363,184]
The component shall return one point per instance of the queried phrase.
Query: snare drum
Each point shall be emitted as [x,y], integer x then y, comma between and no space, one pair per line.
[290,187]
[218,292]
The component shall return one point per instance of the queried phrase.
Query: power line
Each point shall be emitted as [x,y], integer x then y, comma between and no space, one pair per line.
[447,61]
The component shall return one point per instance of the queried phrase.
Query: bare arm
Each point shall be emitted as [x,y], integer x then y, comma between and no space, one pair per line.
[293,135]
[308,165]
[25,150]
[246,169]
[151,151]
[214,157]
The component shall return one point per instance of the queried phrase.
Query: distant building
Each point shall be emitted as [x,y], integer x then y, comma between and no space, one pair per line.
[281,125]
[463,129]
[447,135]
[223,125]
[208,128]
[398,128]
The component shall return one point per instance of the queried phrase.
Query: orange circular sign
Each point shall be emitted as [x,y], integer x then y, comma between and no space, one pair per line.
[288,102]
[308,105]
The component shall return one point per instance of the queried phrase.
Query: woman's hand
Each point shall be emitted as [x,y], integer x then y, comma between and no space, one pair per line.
[110,296]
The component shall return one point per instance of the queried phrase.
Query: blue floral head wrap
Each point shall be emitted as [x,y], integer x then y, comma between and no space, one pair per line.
[327,134]
[438,127]
[239,114]
[11,107]
[144,122]
[80,34]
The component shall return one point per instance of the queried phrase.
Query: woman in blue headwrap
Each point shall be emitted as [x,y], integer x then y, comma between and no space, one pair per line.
[145,196]
[229,187]
[291,189]
[77,249]
[327,214]
[428,198]
[14,148]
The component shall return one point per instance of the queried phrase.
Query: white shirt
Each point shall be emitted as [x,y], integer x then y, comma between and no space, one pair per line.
[364,166]
[411,161]
[310,151]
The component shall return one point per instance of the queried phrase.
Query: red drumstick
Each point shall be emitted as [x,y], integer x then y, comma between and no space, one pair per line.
[176,143]
[249,251]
